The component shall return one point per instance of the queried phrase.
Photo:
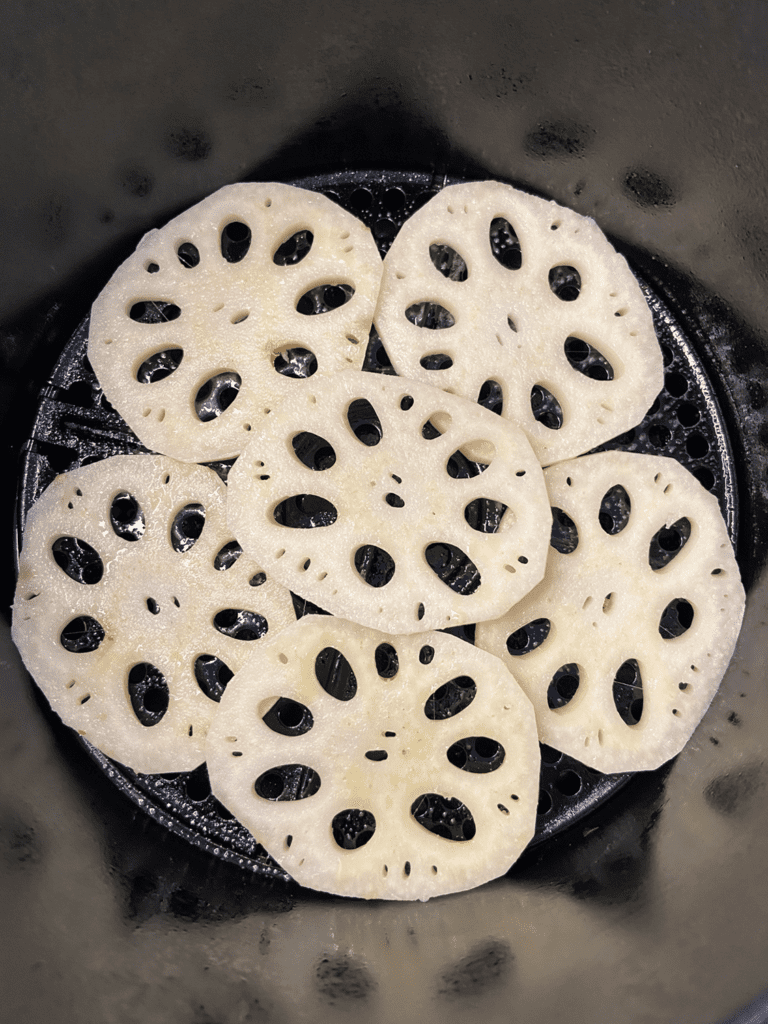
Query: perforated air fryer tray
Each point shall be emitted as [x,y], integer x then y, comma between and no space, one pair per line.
[75,425]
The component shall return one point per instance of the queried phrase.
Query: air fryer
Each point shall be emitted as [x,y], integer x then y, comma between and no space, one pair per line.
[642,898]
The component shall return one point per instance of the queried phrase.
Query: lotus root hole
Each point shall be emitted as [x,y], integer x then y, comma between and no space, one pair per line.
[504,243]
[324,298]
[430,316]
[546,408]
[565,283]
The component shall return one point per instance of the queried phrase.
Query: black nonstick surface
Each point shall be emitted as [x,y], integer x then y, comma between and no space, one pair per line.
[75,426]
[654,907]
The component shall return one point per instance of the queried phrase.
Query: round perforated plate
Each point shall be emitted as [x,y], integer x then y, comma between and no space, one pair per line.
[75,425]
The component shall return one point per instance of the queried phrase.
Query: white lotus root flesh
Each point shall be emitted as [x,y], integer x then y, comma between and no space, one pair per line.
[133,607]
[229,306]
[623,644]
[520,303]
[378,766]
[392,504]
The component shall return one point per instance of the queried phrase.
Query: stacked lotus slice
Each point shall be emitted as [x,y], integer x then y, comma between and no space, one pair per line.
[372,753]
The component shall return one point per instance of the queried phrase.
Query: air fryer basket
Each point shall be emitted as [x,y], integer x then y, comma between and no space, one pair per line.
[644,898]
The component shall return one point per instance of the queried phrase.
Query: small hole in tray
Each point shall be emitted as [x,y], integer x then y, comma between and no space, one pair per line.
[659,435]
[568,783]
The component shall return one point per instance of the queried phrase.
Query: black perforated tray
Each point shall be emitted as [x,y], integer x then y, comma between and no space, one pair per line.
[75,425]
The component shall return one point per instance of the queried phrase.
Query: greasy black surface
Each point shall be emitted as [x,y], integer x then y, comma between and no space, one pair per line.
[76,425]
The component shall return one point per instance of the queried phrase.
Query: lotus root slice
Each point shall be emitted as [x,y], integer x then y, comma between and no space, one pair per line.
[378,766]
[237,301]
[503,297]
[135,605]
[392,503]
[623,644]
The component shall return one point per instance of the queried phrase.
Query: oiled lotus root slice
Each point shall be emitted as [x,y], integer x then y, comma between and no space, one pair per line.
[623,644]
[228,307]
[552,320]
[360,496]
[370,733]
[129,563]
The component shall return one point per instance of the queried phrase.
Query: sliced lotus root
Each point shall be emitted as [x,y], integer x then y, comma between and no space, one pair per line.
[623,644]
[386,767]
[525,306]
[134,606]
[392,504]
[232,304]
